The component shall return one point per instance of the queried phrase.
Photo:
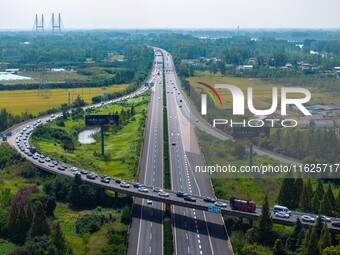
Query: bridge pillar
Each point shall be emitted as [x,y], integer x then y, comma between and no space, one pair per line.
[167,208]
[251,222]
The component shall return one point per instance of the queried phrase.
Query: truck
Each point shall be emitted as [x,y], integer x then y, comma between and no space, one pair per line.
[242,204]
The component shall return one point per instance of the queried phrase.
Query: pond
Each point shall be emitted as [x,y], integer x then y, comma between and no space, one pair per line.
[86,137]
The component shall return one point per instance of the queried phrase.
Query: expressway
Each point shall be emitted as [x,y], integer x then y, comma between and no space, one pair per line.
[19,141]
[146,236]
[185,218]
[195,232]
[170,197]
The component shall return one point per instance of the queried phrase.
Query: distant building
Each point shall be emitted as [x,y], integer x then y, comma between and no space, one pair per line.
[303,123]
[252,61]
[313,117]
[12,70]
[323,123]
[244,67]
[316,69]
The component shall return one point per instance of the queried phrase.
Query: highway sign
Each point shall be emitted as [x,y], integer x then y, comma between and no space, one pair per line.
[102,120]
[214,209]
[250,132]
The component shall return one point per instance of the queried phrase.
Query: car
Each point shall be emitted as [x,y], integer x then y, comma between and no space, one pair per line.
[51,165]
[118,181]
[82,171]
[143,189]
[220,204]
[336,224]
[105,180]
[105,177]
[124,185]
[181,194]
[173,143]
[282,215]
[307,218]
[149,202]
[55,162]
[65,166]
[163,194]
[190,198]
[35,156]
[156,189]
[209,200]
[180,106]
[137,185]
[77,172]
[180,100]
[74,169]
[91,177]
[61,168]
[324,218]
[47,159]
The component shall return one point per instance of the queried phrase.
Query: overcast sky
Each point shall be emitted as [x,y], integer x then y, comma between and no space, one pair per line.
[226,14]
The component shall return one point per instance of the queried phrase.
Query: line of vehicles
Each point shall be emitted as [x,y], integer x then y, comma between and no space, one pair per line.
[235,203]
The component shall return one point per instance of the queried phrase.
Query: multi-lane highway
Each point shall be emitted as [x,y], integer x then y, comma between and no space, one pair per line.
[146,235]
[19,142]
[195,232]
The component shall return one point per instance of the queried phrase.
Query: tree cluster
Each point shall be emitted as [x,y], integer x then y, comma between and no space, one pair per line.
[295,193]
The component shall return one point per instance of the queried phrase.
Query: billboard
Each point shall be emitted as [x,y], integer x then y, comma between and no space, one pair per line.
[250,132]
[102,120]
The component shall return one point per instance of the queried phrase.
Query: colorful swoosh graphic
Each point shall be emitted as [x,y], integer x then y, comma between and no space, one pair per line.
[213,90]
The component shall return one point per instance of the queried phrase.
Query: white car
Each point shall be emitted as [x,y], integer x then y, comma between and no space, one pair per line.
[324,218]
[124,185]
[149,202]
[143,189]
[282,215]
[307,218]
[156,189]
[163,194]
[220,204]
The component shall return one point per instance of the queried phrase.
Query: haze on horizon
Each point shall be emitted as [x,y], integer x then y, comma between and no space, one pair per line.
[185,14]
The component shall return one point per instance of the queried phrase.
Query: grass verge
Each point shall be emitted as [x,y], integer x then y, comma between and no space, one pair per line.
[122,144]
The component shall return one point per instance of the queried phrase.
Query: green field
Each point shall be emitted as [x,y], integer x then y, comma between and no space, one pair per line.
[6,248]
[89,244]
[35,101]
[49,77]
[121,147]
[218,152]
